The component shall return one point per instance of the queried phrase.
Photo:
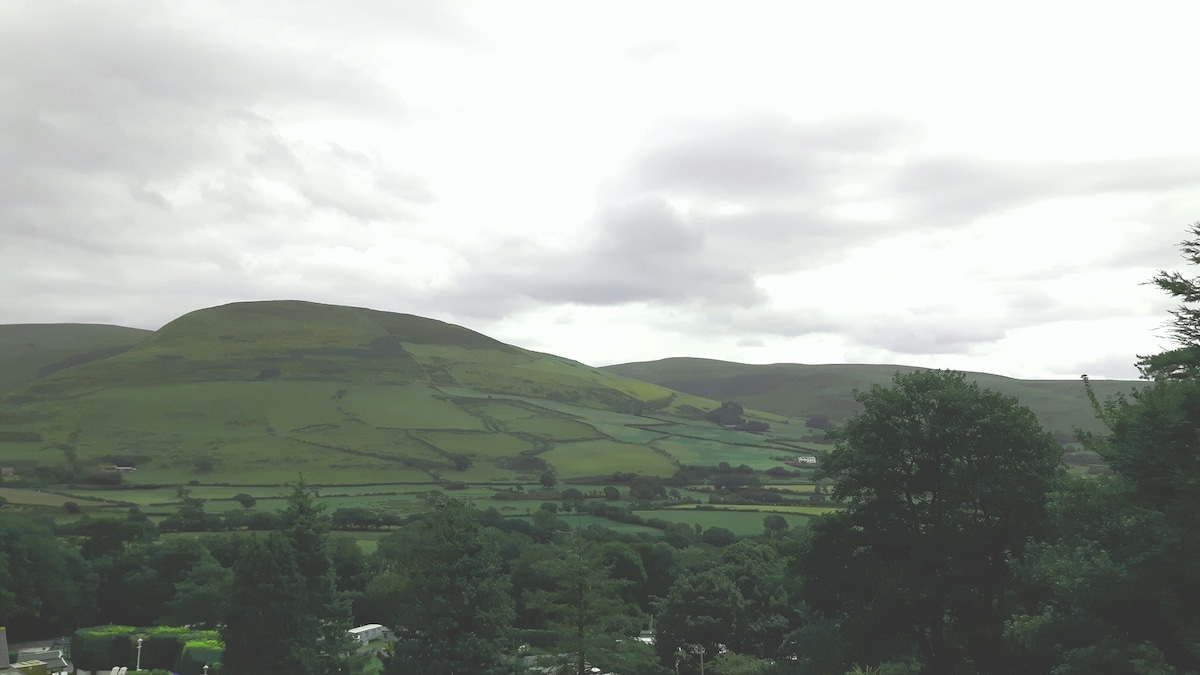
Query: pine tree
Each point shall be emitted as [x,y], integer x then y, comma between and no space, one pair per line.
[323,639]
[264,615]
[593,625]
[457,613]
[285,614]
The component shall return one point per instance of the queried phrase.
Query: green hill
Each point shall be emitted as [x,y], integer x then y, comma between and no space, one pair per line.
[30,351]
[257,393]
[808,391]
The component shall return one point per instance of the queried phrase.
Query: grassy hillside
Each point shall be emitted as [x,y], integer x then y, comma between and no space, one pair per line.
[798,390]
[30,351]
[258,393]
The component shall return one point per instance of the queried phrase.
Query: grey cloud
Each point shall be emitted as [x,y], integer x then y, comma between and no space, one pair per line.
[954,188]
[143,134]
[1109,367]
[924,335]
[787,181]
[755,157]
[639,251]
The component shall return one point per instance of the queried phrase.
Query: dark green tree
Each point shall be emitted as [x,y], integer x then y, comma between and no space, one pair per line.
[45,586]
[326,615]
[316,618]
[729,414]
[944,483]
[584,605]
[263,623]
[736,603]
[200,597]
[1120,583]
[455,611]
[774,525]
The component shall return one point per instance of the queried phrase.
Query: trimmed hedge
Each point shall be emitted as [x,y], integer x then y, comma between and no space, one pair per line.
[198,653]
[100,647]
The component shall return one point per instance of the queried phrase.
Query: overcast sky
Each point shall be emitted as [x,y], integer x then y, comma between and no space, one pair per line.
[957,185]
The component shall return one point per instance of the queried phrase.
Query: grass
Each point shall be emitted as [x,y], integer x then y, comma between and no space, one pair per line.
[760,508]
[598,458]
[696,452]
[28,497]
[741,523]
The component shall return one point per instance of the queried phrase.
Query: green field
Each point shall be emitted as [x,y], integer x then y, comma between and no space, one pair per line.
[742,523]
[763,508]
[376,407]
[23,496]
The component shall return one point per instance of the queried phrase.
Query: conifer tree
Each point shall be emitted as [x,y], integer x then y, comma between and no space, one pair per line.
[457,613]
[593,625]
[285,594]
[263,618]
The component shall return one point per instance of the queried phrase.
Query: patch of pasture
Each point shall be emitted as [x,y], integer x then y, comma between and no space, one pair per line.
[498,411]
[484,445]
[433,355]
[761,508]
[695,452]
[482,472]
[412,406]
[629,434]
[707,431]
[742,523]
[803,489]
[31,497]
[297,405]
[550,427]
[602,457]
[11,453]
[585,521]
[367,541]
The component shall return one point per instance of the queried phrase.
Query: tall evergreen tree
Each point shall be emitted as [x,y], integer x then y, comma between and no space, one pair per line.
[593,625]
[265,613]
[326,615]
[457,612]
[297,608]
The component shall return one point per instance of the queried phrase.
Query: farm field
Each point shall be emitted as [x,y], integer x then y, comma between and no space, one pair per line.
[376,408]
[762,508]
[24,496]
[741,523]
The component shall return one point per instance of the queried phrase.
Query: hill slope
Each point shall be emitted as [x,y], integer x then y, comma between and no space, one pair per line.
[799,390]
[254,393]
[30,351]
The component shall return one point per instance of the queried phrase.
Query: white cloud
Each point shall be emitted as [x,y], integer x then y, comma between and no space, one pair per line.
[931,183]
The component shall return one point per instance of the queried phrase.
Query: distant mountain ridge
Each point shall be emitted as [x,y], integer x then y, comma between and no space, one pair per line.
[800,390]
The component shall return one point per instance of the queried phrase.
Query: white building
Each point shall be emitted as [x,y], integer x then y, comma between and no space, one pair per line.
[367,633]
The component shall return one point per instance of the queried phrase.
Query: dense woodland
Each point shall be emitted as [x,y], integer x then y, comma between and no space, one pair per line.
[962,547]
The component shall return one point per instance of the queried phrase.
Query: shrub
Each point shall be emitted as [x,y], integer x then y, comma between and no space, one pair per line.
[199,653]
